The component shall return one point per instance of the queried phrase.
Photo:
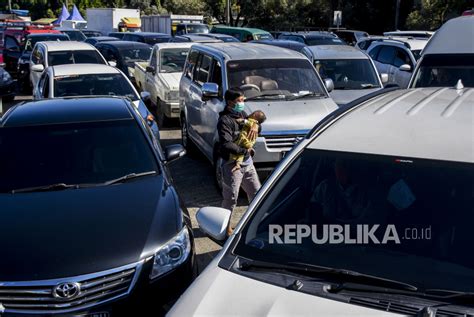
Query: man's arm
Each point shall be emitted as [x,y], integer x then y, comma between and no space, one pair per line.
[226,138]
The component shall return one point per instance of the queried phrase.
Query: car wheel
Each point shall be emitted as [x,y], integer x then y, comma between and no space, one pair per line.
[185,140]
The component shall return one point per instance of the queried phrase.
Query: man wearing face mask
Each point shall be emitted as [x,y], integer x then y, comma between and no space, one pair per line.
[231,121]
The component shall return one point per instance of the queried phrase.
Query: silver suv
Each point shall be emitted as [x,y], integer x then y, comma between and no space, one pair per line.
[281,82]
[397,58]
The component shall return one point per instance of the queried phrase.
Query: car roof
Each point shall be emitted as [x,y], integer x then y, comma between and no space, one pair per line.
[336,52]
[199,38]
[174,45]
[426,33]
[312,34]
[455,36]
[54,46]
[124,44]
[281,43]
[252,30]
[103,38]
[66,29]
[242,51]
[431,123]
[415,44]
[73,110]
[47,34]
[149,34]
[83,69]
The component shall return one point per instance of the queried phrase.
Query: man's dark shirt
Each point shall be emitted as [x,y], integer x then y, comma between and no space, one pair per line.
[228,130]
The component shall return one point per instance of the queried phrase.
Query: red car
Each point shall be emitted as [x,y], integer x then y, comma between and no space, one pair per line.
[468,12]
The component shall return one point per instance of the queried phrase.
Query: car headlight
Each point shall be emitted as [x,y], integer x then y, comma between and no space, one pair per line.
[172,95]
[6,77]
[172,254]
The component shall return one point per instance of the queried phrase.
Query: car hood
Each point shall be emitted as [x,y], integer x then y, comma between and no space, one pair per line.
[295,115]
[217,292]
[344,96]
[66,233]
[171,80]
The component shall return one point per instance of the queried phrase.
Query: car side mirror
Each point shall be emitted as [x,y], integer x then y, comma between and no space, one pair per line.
[384,78]
[150,69]
[37,68]
[209,90]
[213,221]
[329,84]
[112,63]
[405,68]
[174,152]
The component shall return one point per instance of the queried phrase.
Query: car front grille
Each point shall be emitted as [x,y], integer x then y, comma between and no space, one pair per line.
[38,297]
[282,143]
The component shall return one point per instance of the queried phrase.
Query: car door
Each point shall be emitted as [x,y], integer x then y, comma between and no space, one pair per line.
[11,54]
[37,57]
[384,62]
[402,77]
[38,89]
[195,106]
[211,108]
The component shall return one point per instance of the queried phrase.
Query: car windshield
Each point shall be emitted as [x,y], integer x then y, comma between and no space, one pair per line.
[197,28]
[172,60]
[418,212]
[93,85]
[262,36]
[324,41]
[30,42]
[445,70]
[274,78]
[75,57]
[75,35]
[130,55]
[348,73]
[77,153]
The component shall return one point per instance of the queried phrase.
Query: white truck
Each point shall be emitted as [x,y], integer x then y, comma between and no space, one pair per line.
[174,24]
[108,20]
[160,77]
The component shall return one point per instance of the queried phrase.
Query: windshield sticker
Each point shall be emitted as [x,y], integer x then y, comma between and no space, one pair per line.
[400,195]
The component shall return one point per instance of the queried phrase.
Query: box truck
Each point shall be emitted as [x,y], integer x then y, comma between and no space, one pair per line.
[174,24]
[108,20]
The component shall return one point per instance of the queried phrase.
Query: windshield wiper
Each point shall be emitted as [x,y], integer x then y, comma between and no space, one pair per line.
[310,94]
[322,271]
[261,96]
[45,188]
[128,177]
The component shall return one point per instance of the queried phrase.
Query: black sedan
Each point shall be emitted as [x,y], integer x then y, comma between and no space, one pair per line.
[91,222]
[7,86]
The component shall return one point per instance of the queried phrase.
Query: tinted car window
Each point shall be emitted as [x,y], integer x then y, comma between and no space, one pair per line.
[155,40]
[10,43]
[172,60]
[75,35]
[31,41]
[324,41]
[374,52]
[192,59]
[197,28]
[349,73]
[79,153]
[386,55]
[445,70]
[401,58]
[74,57]
[93,84]
[350,190]
[202,71]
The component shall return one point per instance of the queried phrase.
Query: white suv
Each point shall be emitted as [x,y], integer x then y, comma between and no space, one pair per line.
[396,57]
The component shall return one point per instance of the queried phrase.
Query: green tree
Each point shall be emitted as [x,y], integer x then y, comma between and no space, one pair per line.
[431,14]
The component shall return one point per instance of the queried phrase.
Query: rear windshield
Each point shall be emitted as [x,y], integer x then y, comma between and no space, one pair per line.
[93,85]
[30,42]
[263,36]
[135,54]
[348,73]
[75,35]
[445,70]
[197,28]
[79,153]
[155,40]
[75,57]
[425,205]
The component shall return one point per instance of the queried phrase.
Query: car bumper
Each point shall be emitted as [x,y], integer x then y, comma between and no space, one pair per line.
[170,108]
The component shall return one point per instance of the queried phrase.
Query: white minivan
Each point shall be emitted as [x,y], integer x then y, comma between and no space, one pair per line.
[370,215]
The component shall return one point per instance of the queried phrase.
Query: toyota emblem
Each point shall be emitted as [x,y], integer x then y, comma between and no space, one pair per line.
[66,290]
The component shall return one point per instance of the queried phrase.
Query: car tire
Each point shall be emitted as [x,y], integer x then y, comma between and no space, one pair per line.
[191,149]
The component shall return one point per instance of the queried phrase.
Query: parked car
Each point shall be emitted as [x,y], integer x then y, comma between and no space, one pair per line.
[292,45]
[351,37]
[89,195]
[91,33]
[147,37]
[196,38]
[57,53]
[312,38]
[191,28]
[91,80]
[242,34]
[365,42]
[448,57]
[395,161]
[14,43]
[118,35]
[351,70]
[223,37]
[74,34]
[413,34]
[125,54]
[7,86]
[160,77]
[279,81]
[23,68]
[397,58]
[94,40]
